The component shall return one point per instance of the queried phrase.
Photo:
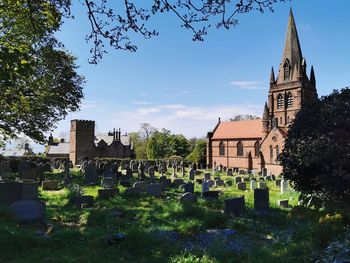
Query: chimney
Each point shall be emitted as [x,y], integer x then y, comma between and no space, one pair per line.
[62,140]
[50,142]
[26,146]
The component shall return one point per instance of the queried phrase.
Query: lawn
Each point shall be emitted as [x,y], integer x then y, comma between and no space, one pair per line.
[163,230]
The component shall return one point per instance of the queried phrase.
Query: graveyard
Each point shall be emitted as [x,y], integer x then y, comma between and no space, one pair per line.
[133,211]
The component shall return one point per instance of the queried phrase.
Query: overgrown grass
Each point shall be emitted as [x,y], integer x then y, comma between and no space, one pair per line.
[80,235]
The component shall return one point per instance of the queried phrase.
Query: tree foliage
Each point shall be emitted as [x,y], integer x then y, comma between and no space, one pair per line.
[317,151]
[38,79]
[198,152]
[242,117]
[113,24]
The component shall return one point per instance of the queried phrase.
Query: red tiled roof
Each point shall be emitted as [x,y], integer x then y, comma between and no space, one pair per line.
[239,129]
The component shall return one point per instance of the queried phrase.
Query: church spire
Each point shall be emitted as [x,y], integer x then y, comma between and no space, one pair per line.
[292,55]
[312,76]
[272,77]
[266,114]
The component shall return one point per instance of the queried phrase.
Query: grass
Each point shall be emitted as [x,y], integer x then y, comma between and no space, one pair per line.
[80,235]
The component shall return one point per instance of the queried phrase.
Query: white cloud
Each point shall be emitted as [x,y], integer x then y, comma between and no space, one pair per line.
[140,102]
[248,85]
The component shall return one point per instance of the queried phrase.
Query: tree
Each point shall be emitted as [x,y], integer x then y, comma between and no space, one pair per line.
[316,153]
[242,117]
[158,145]
[38,79]
[178,145]
[139,145]
[198,153]
[146,131]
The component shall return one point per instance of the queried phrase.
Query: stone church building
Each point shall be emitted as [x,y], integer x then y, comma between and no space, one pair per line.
[256,144]
[85,144]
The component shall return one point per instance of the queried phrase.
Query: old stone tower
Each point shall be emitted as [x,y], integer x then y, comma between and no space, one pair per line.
[82,140]
[292,87]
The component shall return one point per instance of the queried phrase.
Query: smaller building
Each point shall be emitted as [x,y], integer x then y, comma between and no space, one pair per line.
[85,144]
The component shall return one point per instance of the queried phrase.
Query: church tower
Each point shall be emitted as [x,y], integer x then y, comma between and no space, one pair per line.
[292,88]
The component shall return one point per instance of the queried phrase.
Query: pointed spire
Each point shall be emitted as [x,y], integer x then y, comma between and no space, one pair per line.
[266,114]
[312,76]
[292,51]
[272,77]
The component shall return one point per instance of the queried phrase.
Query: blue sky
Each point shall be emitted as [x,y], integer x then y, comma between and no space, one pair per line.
[172,82]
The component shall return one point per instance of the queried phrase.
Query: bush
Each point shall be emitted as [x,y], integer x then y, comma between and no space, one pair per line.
[316,152]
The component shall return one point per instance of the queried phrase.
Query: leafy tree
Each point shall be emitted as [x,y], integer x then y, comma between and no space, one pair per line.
[316,153]
[146,131]
[178,145]
[139,145]
[242,117]
[198,153]
[38,79]
[158,144]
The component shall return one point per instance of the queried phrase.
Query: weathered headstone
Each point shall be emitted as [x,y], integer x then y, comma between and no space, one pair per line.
[188,199]
[234,205]
[142,185]
[278,183]
[49,185]
[90,174]
[205,187]
[252,185]
[211,195]
[107,182]
[207,176]
[229,172]
[219,182]
[262,185]
[28,210]
[261,199]
[283,203]
[107,193]
[238,179]
[191,174]
[284,186]
[241,186]
[133,191]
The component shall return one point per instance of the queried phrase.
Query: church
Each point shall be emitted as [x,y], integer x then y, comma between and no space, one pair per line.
[256,144]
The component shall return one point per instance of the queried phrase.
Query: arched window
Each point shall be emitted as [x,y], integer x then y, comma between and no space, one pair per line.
[239,149]
[289,100]
[257,148]
[279,101]
[277,151]
[222,148]
[280,120]
[286,70]
[271,153]
[288,119]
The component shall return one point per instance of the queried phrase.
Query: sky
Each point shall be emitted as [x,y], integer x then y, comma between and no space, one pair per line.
[184,86]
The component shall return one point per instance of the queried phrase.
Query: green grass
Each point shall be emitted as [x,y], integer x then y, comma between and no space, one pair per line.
[79,235]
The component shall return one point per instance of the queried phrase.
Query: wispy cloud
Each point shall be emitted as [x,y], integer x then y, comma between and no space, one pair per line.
[140,102]
[248,85]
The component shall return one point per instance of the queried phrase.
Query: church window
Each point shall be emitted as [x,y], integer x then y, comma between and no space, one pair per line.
[277,151]
[286,70]
[280,120]
[288,120]
[290,100]
[221,148]
[279,101]
[271,152]
[257,148]
[239,149]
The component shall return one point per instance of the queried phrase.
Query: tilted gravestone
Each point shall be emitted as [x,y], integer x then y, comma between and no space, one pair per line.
[188,199]
[261,199]
[242,186]
[28,210]
[234,206]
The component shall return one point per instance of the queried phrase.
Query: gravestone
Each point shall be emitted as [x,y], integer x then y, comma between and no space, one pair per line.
[234,206]
[166,182]
[107,182]
[205,187]
[188,199]
[211,195]
[49,185]
[178,182]
[283,203]
[83,201]
[207,176]
[228,182]
[229,172]
[107,193]
[154,190]
[264,172]
[268,178]
[211,183]
[151,172]
[241,186]
[199,181]
[262,185]
[132,191]
[219,182]
[238,179]
[10,192]
[30,191]
[252,185]
[191,174]
[28,210]
[246,179]
[30,173]
[142,185]
[261,199]
[188,188]
[278,183]
[284,186]
[90,174]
